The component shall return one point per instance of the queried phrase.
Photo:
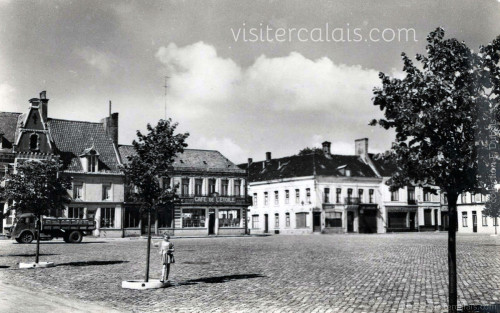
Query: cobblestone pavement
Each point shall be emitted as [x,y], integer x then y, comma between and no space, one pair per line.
[315,273]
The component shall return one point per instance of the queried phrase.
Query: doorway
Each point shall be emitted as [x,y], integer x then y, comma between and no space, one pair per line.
[368,221]
[474,221]
[412,221]
[350,221]
[266,223]
[316,221]
[211,222]
[436,220]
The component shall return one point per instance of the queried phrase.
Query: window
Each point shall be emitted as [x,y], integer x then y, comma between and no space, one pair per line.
[225,187]
[370,195]
[92,162]
[185,187]
[479,197]
[327,195]
[485,220]
[427,194]
[34,142]
[301,220]
[106,192]
[229,218]
[266,198]
[472,197]
[464,197]
[211,186]
[78,192]
[360,195]
[411,195]
[255,221]
[193,217]
[254,199]
[333,219]
[287,196]
[276,221]
[395,195]
[75,212]
[132,217]
[107,217]
[297,196]
[287,219]
[349,196]
[427,217]
[464,219]
[308,195]
[165,182]
[338,195]
[445,198]
[276,197]
[198,184]
[237,187]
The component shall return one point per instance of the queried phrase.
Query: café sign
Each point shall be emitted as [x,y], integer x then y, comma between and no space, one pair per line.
[214,200]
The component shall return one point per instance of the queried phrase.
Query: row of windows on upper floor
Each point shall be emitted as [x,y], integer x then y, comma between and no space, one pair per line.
[327,198]
[106,194]
[192,186]
[411,198]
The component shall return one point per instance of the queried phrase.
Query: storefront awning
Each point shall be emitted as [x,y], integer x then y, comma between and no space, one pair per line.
[351,207]
[401,209]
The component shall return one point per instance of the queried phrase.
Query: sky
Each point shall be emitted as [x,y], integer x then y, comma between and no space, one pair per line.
[241,78]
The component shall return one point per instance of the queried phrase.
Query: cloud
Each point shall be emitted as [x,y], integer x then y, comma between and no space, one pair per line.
[97,59]
[225,145]
[7,96]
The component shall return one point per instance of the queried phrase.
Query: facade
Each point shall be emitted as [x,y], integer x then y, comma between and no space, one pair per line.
[212,193]
[470,215]
[89,154]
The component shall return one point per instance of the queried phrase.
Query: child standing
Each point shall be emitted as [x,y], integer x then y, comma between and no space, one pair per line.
[167,256]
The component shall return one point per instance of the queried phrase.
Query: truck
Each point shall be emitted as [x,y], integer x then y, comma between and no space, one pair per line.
[71,230]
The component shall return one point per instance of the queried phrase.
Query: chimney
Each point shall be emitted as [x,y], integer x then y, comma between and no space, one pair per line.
[268,156]
[110,124]
[326,147]
[44,106]
[361,147]
[250,161]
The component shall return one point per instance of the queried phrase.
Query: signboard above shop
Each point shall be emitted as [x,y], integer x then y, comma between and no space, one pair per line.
[214,200]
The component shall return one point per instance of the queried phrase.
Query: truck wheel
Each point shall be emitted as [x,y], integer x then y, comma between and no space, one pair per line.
[26,237]
[18,240]
[75,236]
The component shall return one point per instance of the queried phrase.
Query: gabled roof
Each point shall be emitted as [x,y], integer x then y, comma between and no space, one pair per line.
[193,159]
[384,166]
[73,137]
[314,164]
[8,124]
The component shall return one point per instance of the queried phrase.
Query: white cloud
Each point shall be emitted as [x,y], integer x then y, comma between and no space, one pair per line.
[225,145]
[97,59]
[7,96]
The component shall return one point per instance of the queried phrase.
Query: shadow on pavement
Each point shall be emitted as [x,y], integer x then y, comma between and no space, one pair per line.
[196,262]
[65,243]
[218,279]
[4,266]
[90,263]
[29,255]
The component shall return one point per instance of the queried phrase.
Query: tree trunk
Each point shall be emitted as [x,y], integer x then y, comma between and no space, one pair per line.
[452,252]
[146,279]
[496,224]
[38,228]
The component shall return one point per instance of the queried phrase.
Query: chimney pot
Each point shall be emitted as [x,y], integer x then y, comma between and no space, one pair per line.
[43,95]
[250,161]
[326,147]
[268,156]
[361,147]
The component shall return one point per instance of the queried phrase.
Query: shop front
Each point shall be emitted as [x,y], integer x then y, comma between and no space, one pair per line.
[401,219]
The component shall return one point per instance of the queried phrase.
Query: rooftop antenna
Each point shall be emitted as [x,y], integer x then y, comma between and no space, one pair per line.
[166,86]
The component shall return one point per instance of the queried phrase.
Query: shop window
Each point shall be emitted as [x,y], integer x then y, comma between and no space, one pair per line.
[255,221]
[297,196]
[229,218]
[327,195]
[193,217]
[276,221]
[276,198]
[266,198]
[106,192]
[287,196]
[371,193]
[301,220]
[107,217]
[132,218]
[198,183]
[287,219]
[338,195]
[225,187]
[76,212]
[166,217]
[464,219]
[78,192]
[397,219]
[333,219]
[237,187]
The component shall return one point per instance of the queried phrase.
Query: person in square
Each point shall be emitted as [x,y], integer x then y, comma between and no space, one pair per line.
[167,256]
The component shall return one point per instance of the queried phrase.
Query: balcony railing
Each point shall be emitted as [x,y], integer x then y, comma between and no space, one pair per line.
[352,200]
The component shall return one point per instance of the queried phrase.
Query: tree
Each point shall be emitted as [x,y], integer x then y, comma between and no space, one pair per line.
[492,207]
[153,158]
[37,187]
[308,150]
[441,112]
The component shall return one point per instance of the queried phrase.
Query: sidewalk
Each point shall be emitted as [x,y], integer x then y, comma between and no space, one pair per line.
[15,299]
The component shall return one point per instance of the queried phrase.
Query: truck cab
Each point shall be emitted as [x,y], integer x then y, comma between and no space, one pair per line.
[23,228]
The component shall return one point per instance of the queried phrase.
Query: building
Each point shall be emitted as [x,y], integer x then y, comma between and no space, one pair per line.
[212,193]
[470,215]
[89,153]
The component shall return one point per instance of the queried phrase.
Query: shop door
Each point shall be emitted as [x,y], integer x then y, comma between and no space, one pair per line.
[266,223]
[474,221]
[368,222]
[436,226]
[412,220]
[211,222]
[317,221]
[444,220]
[350,221]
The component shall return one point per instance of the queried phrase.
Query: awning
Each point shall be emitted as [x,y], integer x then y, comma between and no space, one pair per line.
[401,209]
[351,207]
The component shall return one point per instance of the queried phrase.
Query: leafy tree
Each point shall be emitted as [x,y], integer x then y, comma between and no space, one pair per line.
[441,112]
[37,187]
[308,150]
[153,158]
[492,207]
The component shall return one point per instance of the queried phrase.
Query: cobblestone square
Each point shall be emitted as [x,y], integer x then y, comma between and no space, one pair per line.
[316,273]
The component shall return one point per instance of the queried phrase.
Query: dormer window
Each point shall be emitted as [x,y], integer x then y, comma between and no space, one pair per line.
[90,160]
[34,142]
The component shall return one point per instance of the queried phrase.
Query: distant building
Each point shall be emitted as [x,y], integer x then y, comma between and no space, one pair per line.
[470,214]
[212,191]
